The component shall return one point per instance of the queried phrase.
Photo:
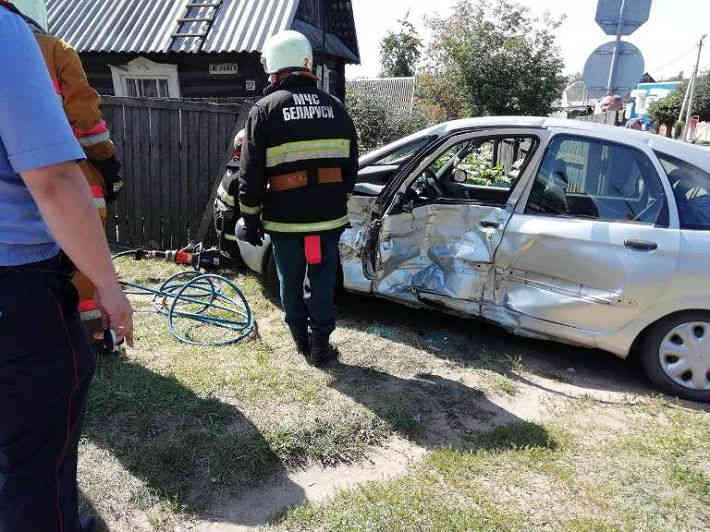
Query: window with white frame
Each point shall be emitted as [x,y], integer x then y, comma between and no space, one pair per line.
[142,78]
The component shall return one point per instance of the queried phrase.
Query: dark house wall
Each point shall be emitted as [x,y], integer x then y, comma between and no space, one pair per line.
[337,75]
[194,73]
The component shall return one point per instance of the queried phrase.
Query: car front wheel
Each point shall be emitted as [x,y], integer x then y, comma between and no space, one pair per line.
[676,355]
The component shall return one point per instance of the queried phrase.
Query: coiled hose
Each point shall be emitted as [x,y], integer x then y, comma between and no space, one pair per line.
[196,303]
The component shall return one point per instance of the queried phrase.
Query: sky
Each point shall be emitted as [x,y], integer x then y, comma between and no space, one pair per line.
[668,40]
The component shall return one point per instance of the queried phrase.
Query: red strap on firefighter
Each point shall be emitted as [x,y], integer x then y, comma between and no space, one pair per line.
[314,254]
[87,305]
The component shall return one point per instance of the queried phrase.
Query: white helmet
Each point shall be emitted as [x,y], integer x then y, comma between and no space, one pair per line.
[288,49]
[33,9]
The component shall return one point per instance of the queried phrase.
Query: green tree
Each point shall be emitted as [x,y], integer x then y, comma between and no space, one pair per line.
[377,124]
[491,57]
[667,110]
[400,51]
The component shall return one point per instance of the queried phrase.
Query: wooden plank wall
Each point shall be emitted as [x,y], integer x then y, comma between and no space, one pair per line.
[172,153]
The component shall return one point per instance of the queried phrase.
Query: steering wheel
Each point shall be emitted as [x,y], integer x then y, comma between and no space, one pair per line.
[432,185]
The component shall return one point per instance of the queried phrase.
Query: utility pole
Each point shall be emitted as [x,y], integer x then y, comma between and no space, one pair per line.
[685,100]
[617,50]
[692,89]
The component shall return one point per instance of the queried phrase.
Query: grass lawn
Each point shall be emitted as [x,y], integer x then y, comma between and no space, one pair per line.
[427,422]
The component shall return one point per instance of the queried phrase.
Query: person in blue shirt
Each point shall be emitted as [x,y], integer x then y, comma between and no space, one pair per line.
[46,364]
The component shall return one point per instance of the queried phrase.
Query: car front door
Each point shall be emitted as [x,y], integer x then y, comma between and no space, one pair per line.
[444,218]
[596,242]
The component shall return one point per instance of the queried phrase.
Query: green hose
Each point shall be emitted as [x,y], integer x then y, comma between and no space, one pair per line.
[212,300]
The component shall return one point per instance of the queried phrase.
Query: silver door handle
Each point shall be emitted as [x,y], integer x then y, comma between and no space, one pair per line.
[641,245]
[490,225]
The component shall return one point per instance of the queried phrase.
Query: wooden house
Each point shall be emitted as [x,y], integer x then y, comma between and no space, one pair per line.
[199,48]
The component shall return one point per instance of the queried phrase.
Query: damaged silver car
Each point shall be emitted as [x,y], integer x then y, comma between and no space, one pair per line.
[562,230]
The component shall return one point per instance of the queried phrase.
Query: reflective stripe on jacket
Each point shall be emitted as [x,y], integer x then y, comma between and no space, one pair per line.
[299,159]
[81,102]
[81,105]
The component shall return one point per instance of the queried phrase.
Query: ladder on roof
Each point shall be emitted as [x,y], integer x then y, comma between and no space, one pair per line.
[197,21]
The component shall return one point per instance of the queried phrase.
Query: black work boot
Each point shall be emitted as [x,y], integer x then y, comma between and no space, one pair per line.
[299,333]
[321,351]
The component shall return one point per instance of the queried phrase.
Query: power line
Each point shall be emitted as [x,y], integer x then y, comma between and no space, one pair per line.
[677,59]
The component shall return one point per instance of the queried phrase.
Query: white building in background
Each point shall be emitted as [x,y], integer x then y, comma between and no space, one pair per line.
[647,93]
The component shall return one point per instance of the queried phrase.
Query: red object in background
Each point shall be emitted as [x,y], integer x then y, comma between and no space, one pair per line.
[314,255]
[694,121]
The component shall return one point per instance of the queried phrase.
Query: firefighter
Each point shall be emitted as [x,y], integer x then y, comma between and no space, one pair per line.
[226,208]
[81,105]
[299,163]
[46,363]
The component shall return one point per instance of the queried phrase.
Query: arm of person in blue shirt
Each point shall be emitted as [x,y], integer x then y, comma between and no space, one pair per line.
[43,150]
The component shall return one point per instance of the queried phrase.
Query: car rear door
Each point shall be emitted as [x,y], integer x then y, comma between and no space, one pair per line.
[434,243]
[596,242]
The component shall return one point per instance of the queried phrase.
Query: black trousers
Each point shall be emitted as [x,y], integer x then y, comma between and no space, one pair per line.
[308,291]
[46,366]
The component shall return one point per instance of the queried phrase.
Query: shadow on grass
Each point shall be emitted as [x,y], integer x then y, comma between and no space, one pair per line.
[85,507]
[476,344]
[187,448]
[436,412]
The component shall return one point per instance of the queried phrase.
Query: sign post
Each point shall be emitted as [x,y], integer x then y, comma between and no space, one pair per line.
[618,18]
[615,57]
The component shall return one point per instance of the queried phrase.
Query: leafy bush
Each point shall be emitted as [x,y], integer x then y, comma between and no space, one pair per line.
[378,125]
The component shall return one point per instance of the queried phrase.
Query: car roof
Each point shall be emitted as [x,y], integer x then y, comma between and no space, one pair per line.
[687,152]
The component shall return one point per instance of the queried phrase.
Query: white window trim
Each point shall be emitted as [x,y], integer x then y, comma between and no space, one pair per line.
[142,68]
[323,75]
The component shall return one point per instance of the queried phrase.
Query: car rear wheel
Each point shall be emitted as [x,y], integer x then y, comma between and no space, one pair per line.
[676,355]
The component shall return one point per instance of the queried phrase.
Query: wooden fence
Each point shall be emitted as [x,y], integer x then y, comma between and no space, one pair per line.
[173,154]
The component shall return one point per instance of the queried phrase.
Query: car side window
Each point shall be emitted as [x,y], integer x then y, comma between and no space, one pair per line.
[590,178]
[481,169]
[691,188]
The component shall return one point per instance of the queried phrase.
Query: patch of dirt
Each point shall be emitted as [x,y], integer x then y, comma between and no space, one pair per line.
[316,484]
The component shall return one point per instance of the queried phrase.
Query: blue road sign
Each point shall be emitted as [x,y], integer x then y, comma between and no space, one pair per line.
[627,74]
[636,14]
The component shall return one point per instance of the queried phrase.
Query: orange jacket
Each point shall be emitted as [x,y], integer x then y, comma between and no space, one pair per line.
[80,101]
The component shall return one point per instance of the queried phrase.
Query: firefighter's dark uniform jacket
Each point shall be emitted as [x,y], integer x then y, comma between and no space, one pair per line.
[225,209]
[299,159]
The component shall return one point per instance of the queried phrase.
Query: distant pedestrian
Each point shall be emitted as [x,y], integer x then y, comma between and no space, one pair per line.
[634,123]
[46,363]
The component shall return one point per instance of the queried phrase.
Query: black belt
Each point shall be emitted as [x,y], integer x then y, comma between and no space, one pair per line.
[57,265]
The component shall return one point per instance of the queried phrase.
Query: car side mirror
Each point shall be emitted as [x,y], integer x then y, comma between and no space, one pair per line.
[460,176]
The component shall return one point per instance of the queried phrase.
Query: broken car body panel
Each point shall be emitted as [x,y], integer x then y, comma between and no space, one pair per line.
[589,282]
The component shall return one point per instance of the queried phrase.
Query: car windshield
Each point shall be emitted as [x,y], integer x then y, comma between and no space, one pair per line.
[404,153]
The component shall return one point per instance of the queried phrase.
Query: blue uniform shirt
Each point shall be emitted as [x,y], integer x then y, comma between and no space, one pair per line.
[34,132]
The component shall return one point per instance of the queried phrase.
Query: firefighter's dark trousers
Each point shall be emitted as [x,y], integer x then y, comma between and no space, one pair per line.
[45,369]
[307,291]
